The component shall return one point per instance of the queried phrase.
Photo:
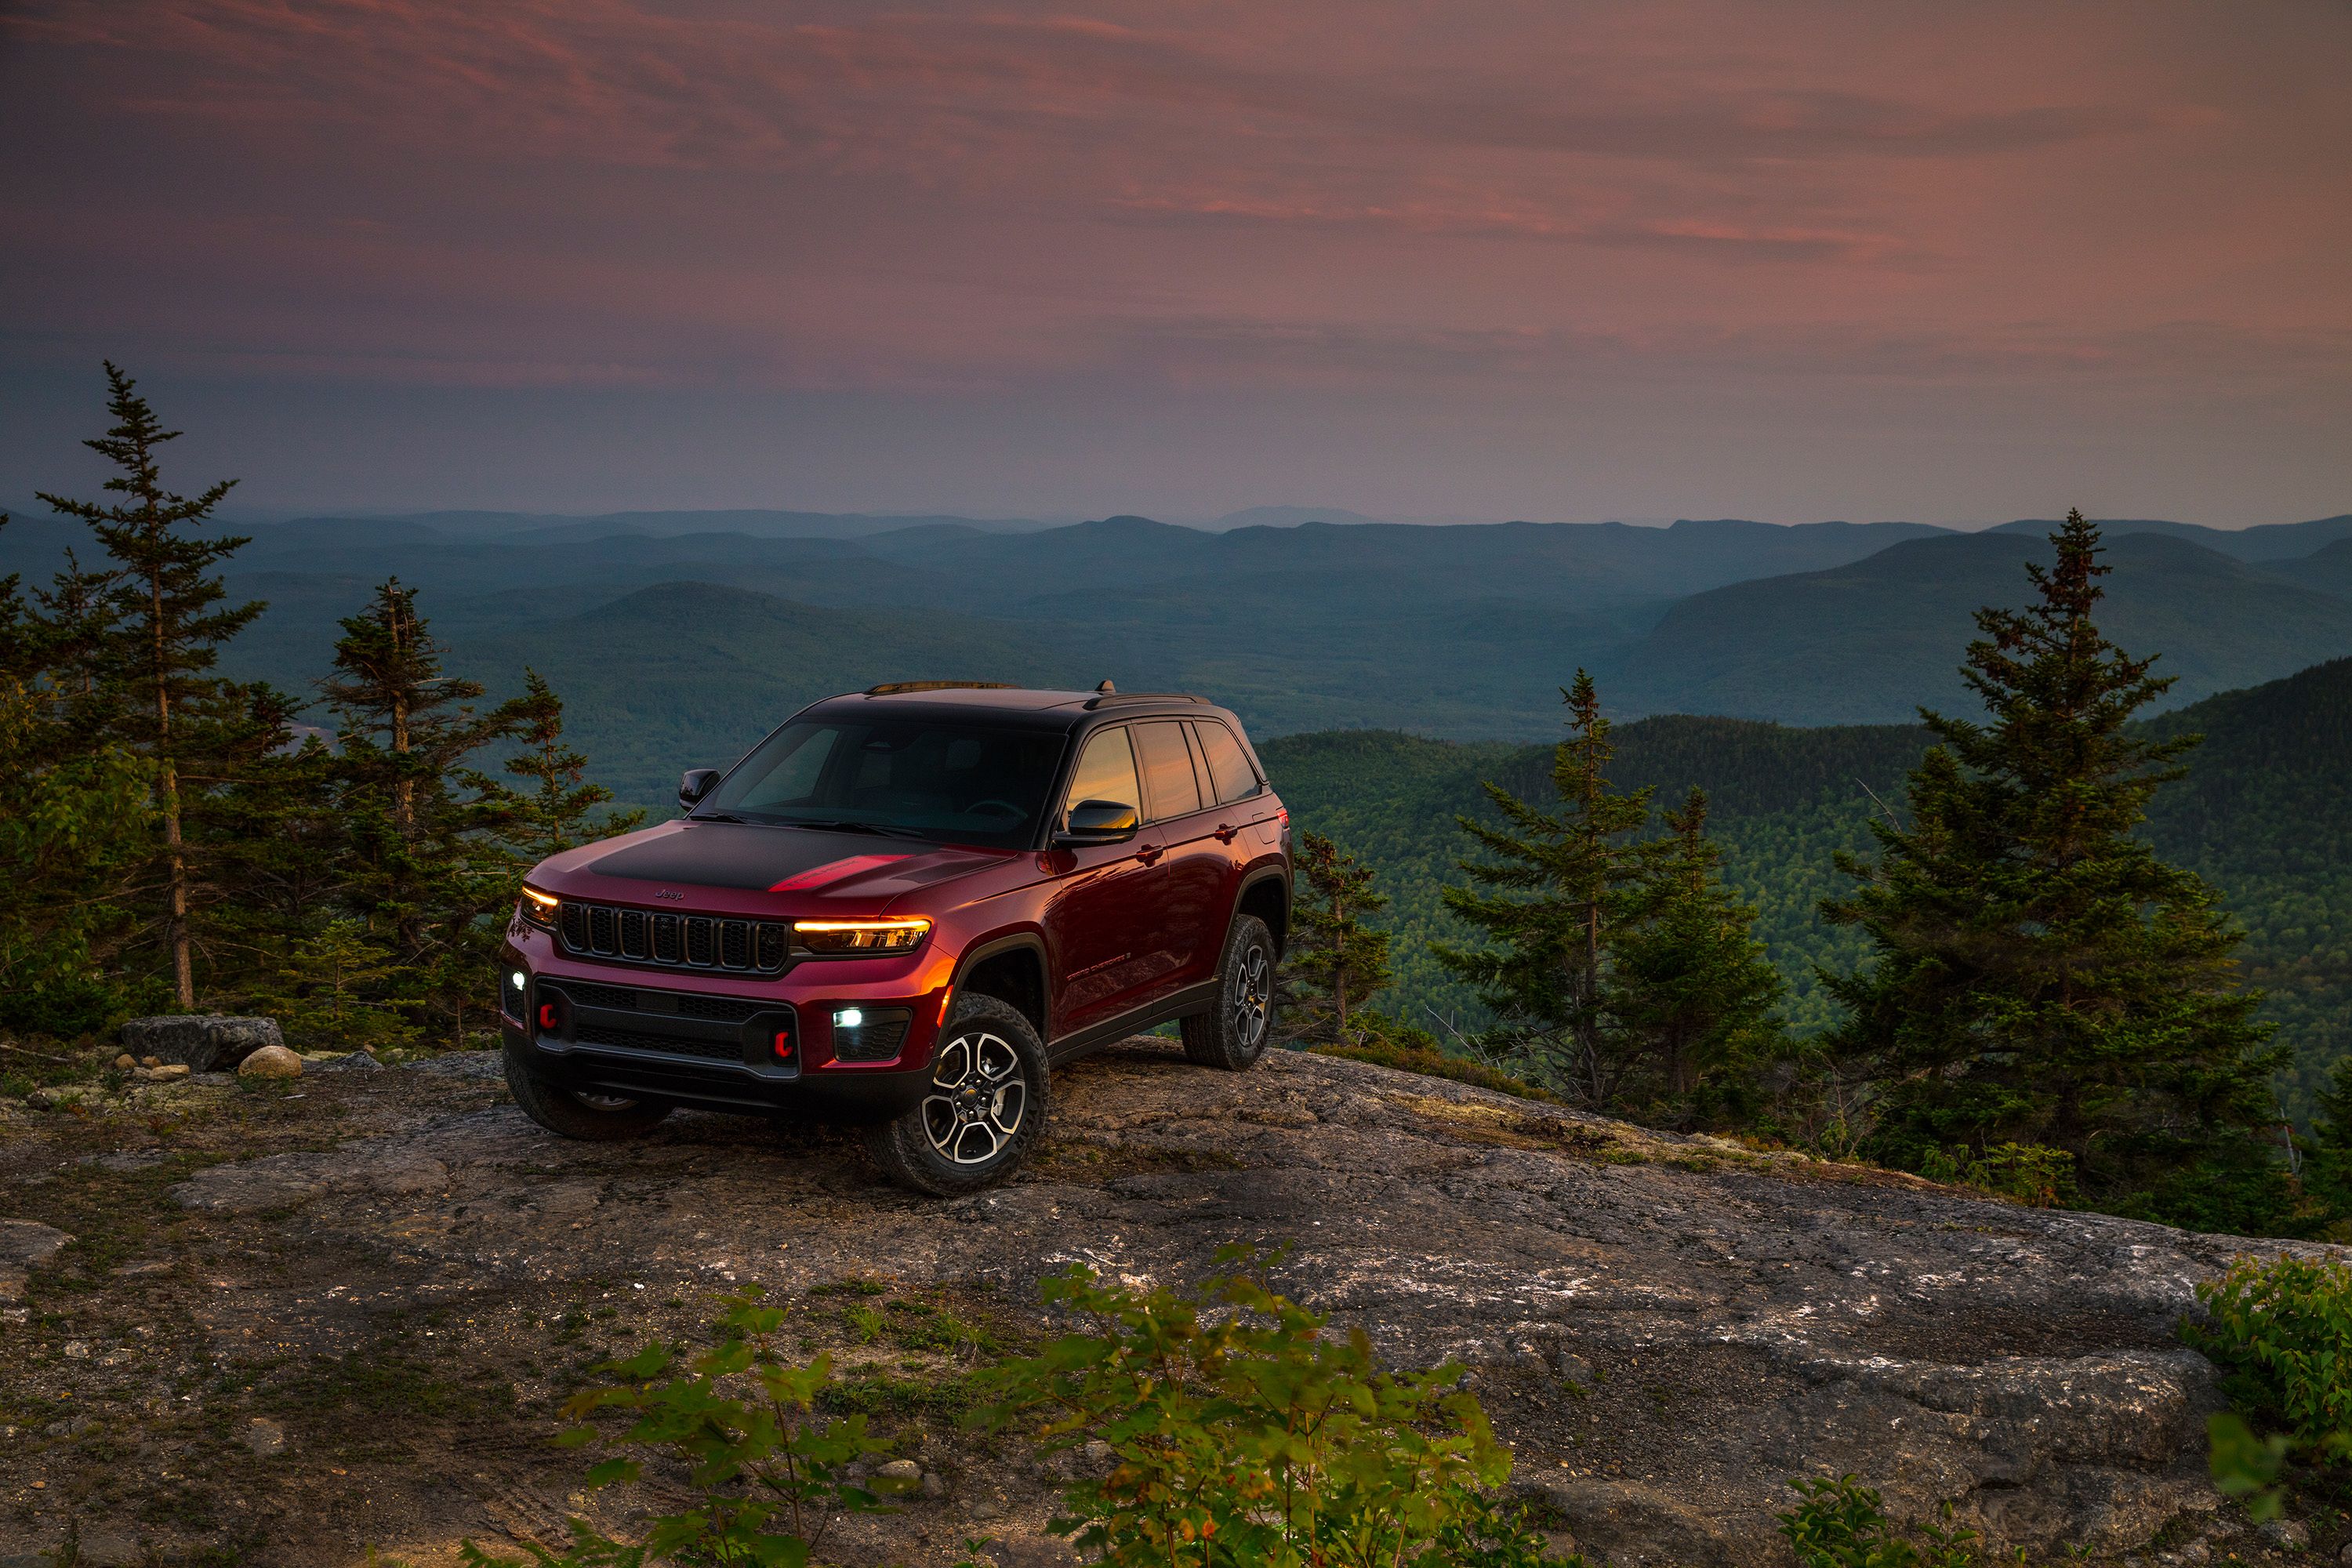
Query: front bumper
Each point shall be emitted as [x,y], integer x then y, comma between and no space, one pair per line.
[728,1042]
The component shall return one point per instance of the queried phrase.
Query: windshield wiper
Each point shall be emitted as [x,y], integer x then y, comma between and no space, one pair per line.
[721,816]
[885,829]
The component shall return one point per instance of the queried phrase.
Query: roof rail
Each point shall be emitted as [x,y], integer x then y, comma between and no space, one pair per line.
[1113,699]
[900,688]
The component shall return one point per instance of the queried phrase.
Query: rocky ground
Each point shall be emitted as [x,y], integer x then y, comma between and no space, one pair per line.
[299,1321]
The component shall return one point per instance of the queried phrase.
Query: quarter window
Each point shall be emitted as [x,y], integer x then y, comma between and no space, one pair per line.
[1106,771]
[1168,770]
[1229,766]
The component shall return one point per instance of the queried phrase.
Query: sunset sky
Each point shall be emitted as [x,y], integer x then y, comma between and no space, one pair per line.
[1541,259]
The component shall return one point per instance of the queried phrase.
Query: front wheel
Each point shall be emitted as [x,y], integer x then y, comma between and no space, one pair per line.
[1233,1034]
[576,1113]
[982,1110]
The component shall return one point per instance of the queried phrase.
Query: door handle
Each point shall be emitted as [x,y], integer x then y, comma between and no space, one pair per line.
[1226,831]
[1149,853]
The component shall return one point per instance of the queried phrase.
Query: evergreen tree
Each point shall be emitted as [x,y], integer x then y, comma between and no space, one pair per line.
[1693,984]
[562,809]
[1335,962]
[1550,903]
[335,987]
[423,867]
[155,624]
[2040,977]
[74,830]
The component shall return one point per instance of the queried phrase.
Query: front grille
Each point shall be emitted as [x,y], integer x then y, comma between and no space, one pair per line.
[589,995]
[643,1040]
[674,942]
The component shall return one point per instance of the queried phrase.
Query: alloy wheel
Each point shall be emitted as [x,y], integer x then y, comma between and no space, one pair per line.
[978,1098]
[1253,997]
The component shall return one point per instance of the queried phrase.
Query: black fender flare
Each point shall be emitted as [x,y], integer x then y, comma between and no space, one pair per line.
[1257,878]
[996,947]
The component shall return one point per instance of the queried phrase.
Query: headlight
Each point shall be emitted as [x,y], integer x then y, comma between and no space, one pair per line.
[538,908]
[862,937]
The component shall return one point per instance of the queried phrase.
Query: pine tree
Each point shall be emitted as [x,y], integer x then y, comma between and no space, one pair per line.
[425,869]
[1693,985]
[562,809]
[332,989]
[74,831]
[2040,977]
[1335,962]
[158,623]
[1550,903]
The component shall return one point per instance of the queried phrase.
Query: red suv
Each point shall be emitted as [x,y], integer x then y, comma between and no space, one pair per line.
[904,907]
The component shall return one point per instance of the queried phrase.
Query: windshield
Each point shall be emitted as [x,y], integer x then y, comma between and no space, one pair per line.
[950,783]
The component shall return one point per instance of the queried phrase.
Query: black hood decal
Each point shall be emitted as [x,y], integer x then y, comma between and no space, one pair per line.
[726,855]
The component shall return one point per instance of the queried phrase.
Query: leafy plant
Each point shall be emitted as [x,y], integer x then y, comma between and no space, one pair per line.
[773,1472]
[2030,1174]
[2282,1330]
[1841,1523]
[1241,1430]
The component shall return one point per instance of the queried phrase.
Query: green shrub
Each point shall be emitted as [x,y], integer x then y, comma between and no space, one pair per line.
[2030,1174]
[773,1472]
[1841,1523]
[1243,1431]
[2281,1330]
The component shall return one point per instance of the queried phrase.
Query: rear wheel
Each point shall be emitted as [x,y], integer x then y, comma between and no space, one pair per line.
[1233,1034]
[575,1113]
[982,1110]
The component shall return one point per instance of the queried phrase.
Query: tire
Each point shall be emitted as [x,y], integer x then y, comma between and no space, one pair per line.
[594,1119]
[969,1132]
[1233,1035]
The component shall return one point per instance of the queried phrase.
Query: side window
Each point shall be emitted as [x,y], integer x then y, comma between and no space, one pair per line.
[1229,765]
[1168,770]
[1106,771]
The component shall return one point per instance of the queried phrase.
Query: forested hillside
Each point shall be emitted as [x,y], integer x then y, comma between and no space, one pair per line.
[1871,641]
[1459,632]
[2265,814]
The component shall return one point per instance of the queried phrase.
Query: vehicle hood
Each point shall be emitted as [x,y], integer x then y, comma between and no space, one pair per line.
[683,855]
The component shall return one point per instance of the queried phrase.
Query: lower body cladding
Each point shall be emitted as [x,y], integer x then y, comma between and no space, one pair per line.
[614,1036]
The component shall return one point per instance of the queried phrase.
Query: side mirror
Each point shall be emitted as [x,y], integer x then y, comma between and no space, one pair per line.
[1099,822]
[693,784]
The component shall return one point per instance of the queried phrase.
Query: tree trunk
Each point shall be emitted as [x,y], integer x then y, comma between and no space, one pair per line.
[176,925]
[176,928]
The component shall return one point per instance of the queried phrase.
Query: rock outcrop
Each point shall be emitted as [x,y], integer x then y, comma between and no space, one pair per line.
[206,1042]
[1667,1330]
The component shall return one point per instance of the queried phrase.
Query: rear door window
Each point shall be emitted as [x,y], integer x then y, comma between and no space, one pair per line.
[1106,771]
[1229,765]
[1168,769]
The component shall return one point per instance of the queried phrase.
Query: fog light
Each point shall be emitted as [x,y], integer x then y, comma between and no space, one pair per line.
[848,1019]
[516,980]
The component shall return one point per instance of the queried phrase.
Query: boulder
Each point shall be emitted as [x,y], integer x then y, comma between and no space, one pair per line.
[206,1042]
[270,1061]
[24,1245]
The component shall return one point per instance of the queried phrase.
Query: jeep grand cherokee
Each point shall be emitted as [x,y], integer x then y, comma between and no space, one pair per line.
[903,908]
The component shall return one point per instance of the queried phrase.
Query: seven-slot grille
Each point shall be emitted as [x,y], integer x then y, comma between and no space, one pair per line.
[675,942]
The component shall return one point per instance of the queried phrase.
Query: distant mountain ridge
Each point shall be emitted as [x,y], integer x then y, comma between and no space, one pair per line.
[1464,631]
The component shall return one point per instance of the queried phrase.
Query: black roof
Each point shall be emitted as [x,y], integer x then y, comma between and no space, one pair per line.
[1015,707]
